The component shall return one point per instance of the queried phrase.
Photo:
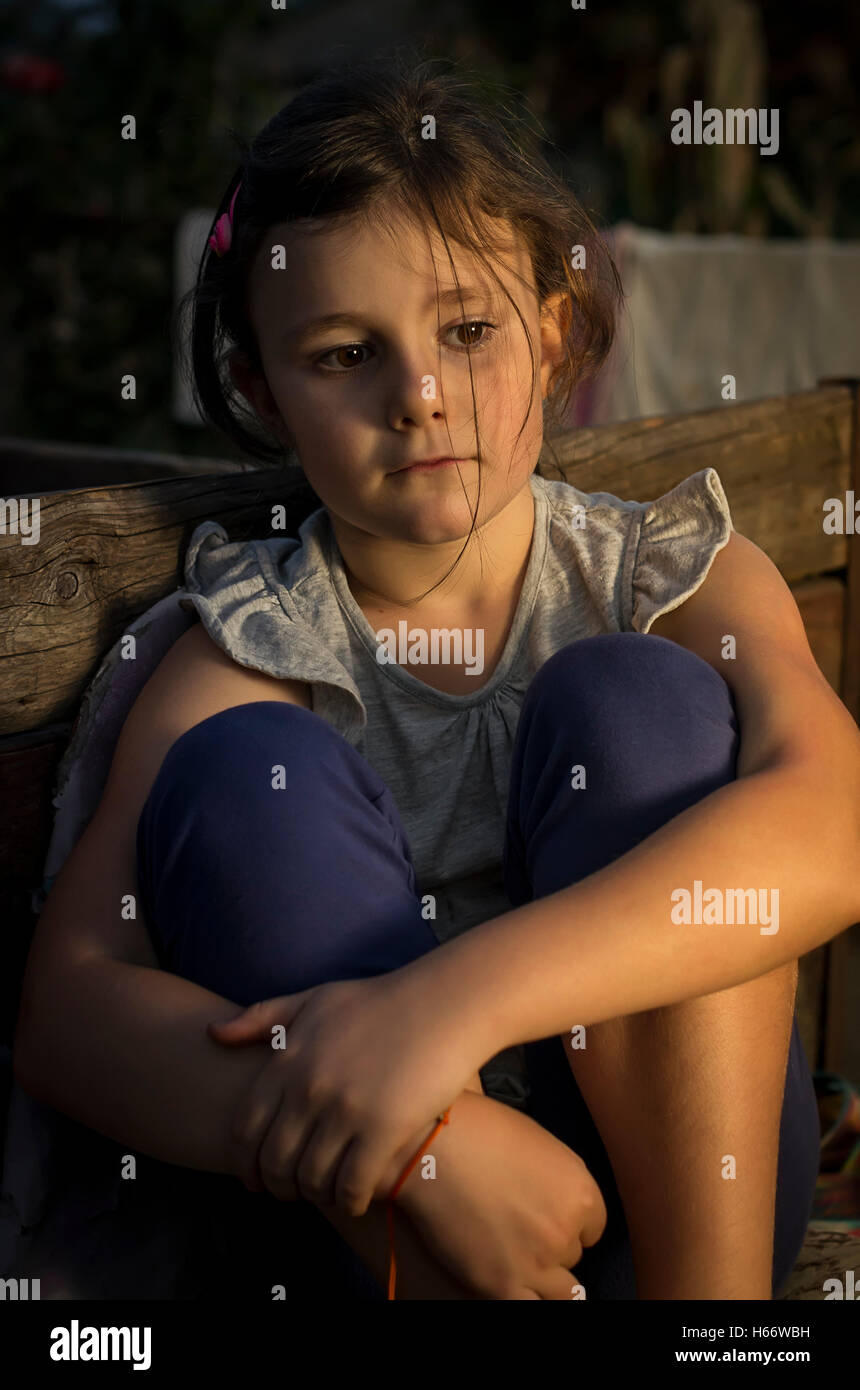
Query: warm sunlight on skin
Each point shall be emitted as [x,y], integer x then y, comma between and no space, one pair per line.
[348,397]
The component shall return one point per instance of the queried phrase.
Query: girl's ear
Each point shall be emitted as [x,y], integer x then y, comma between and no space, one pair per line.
[553,314]
[251,384]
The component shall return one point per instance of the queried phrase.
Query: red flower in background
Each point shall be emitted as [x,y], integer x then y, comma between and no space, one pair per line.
[24,72]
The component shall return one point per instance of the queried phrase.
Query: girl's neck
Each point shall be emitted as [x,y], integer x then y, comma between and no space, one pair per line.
[383,575]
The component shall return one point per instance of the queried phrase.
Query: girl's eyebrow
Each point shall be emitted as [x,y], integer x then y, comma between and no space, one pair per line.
[343,317]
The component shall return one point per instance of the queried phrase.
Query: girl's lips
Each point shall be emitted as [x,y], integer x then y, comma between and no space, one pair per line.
[427,467]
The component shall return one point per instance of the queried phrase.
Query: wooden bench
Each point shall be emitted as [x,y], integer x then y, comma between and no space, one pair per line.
[107,553]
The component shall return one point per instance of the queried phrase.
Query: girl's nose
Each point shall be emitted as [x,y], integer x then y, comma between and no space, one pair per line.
[414,393]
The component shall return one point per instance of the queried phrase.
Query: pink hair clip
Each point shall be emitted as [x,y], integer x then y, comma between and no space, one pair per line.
[222,238]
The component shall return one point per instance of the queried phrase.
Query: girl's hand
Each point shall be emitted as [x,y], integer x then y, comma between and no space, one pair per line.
[366,1068]
[510,1207]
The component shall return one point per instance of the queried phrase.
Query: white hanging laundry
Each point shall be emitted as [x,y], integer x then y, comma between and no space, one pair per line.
[776,315]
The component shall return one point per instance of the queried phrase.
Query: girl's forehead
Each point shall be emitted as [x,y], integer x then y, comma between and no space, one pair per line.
[327,253]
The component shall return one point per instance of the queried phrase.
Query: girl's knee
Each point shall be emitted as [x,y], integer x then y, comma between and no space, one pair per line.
[248,739]
[247,785]
[247,851]
[618,734]
[631,670]
[268,756]
[635,701]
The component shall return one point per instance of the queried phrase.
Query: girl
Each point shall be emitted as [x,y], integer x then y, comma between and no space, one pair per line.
[421,879]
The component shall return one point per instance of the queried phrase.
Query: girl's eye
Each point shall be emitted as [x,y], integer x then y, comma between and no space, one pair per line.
[470,324]
[342,366]
[347,347]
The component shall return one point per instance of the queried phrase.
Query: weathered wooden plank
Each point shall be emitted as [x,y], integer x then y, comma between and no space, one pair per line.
[842,988]
[778,459]
[851,671]
[104,555]
[27,766]
[822,607]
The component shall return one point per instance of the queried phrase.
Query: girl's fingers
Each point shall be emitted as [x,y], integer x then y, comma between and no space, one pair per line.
[361,1170]
[316,1170]
[255,1023]
[281,1153]
[570,1286]
[252,1119]
[594,1223]
[246,1164]
[557,1285]
[572,1252]
[587,1231]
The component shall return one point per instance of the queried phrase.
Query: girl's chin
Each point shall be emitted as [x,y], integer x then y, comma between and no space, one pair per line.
[423,532]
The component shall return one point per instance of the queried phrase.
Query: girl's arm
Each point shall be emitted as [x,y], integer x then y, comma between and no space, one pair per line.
[111,1040]
[607,947]
[102,1033]
[121,1046]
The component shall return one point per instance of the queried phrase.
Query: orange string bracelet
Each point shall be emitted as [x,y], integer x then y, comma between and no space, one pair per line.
[392,1268]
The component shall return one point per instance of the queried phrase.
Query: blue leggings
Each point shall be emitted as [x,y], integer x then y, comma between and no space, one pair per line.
[254,892]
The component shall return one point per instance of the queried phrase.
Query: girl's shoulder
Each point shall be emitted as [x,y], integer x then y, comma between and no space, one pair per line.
[687,507]
[639,558]
[214,563]
[270,605]
[261,599]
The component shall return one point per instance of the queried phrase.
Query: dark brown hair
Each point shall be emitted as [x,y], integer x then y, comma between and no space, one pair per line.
[353,140]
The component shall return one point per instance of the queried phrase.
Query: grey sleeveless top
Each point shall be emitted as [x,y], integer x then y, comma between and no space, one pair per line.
[597,564]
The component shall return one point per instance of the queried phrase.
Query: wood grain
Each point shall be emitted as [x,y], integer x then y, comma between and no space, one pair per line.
[778,460]
[103,557]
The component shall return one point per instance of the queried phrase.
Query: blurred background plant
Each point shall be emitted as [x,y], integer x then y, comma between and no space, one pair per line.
[86,293]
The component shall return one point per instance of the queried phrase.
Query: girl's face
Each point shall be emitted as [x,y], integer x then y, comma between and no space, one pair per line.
[364,348]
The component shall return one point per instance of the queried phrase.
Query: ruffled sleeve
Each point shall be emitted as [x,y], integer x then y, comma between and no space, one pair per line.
[268,605]
[675,542]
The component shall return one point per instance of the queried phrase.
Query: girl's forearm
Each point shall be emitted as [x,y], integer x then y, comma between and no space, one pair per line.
[123,1049]
[607,946]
